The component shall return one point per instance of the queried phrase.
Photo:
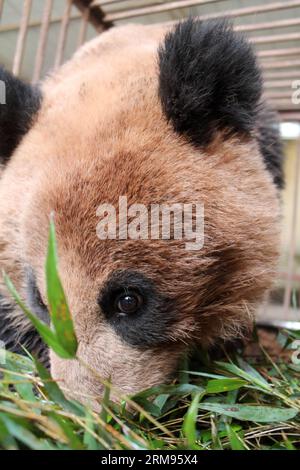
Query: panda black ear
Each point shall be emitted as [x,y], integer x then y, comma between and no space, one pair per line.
[19,103]
[209,80]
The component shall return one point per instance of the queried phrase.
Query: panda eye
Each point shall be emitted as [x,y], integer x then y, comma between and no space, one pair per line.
[128,303]
[34,298]
[134,308]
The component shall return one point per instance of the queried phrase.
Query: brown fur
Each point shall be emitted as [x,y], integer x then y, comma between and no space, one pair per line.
[100,134]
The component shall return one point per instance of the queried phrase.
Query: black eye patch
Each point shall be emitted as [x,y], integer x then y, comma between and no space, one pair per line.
[34,299]
[15,339]
[149,322]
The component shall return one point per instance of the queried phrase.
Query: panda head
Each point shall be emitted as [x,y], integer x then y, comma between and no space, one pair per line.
[161,119]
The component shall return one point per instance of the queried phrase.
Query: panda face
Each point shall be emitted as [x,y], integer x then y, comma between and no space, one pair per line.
[152,124]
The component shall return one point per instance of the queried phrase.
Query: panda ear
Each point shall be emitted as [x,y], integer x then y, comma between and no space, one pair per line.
[208,80]
[19,103]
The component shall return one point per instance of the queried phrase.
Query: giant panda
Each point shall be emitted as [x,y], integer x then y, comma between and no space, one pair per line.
[160,115]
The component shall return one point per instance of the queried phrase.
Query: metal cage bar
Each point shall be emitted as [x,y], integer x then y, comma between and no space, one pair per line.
[63,34]
[1,7]
[22,37]
[42,40]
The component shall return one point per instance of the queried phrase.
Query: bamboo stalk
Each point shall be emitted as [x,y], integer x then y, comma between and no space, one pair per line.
[42,40]
[22,37]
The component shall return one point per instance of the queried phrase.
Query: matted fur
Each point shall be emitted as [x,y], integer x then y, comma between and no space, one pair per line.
[101,133]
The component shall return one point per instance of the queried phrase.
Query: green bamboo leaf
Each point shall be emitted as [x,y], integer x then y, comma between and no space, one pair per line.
[68,430]
[6,438]
[88,439]
[253,379]
[17,429]
[258,414]
[289,445]
[105,403]
[16,365]
[190,423]
[161,400]
[251,371]
[148,406]
[59,309]
[24,389]
[15,362]
[173,390]
[224,385]
[235,442]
